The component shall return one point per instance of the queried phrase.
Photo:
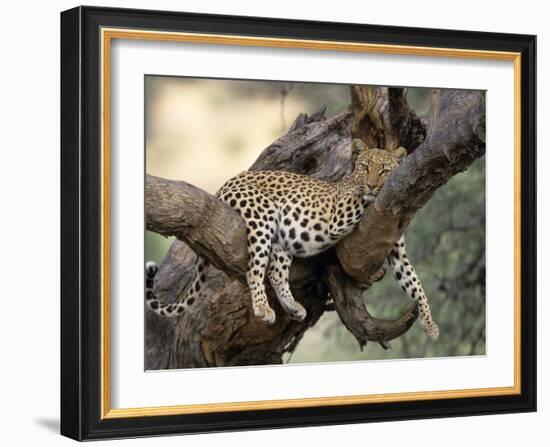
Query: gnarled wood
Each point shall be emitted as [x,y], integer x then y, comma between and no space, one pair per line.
[348,302]
[382,118]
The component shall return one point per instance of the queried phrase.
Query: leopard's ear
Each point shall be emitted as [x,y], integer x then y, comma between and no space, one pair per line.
[357,146]
[399,154]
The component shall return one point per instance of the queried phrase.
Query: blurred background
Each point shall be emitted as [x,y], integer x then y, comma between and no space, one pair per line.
[205,131]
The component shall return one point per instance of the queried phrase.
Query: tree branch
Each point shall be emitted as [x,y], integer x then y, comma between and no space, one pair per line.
[207,225]
[348,301]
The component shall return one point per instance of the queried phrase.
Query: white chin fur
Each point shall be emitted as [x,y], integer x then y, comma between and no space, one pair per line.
[369,198]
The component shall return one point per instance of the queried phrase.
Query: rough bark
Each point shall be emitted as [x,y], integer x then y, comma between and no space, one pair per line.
[221,328]
[382,118]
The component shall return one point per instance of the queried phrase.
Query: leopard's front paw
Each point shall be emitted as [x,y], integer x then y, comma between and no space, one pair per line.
[265,313]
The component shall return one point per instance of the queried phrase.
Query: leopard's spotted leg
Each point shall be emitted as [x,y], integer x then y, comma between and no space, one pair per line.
[260,226]
[279,267]
[258,212]
[258,256]
[410,283]
[191,294]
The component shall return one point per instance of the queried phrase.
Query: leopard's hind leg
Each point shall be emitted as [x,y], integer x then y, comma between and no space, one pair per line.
[410,283]
[255,276]
[259,214]
[279,267]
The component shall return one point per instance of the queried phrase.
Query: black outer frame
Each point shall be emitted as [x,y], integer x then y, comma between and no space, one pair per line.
[81,207]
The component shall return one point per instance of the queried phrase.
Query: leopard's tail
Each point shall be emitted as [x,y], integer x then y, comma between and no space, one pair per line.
[178,308]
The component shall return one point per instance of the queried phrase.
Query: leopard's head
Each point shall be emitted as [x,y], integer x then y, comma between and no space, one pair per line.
[372,166]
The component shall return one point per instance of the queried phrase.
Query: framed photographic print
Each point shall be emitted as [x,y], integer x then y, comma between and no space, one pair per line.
[274,223]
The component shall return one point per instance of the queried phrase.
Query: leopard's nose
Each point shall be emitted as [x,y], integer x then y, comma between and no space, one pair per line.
[371,185]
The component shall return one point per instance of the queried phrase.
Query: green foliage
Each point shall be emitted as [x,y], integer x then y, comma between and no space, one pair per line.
[156,246]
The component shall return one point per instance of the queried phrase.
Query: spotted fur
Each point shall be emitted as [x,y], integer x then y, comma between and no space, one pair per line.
[407,278]
[290,215]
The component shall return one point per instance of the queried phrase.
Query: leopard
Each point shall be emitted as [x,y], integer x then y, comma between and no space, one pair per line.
[289,215]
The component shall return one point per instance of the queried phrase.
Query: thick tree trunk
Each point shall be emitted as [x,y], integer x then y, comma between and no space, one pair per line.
[221,328]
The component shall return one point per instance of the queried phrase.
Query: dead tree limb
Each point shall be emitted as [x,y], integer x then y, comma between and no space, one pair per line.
[382,118]
[221,328]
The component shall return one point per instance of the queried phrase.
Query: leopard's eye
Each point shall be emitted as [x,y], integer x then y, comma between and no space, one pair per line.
[365,166]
